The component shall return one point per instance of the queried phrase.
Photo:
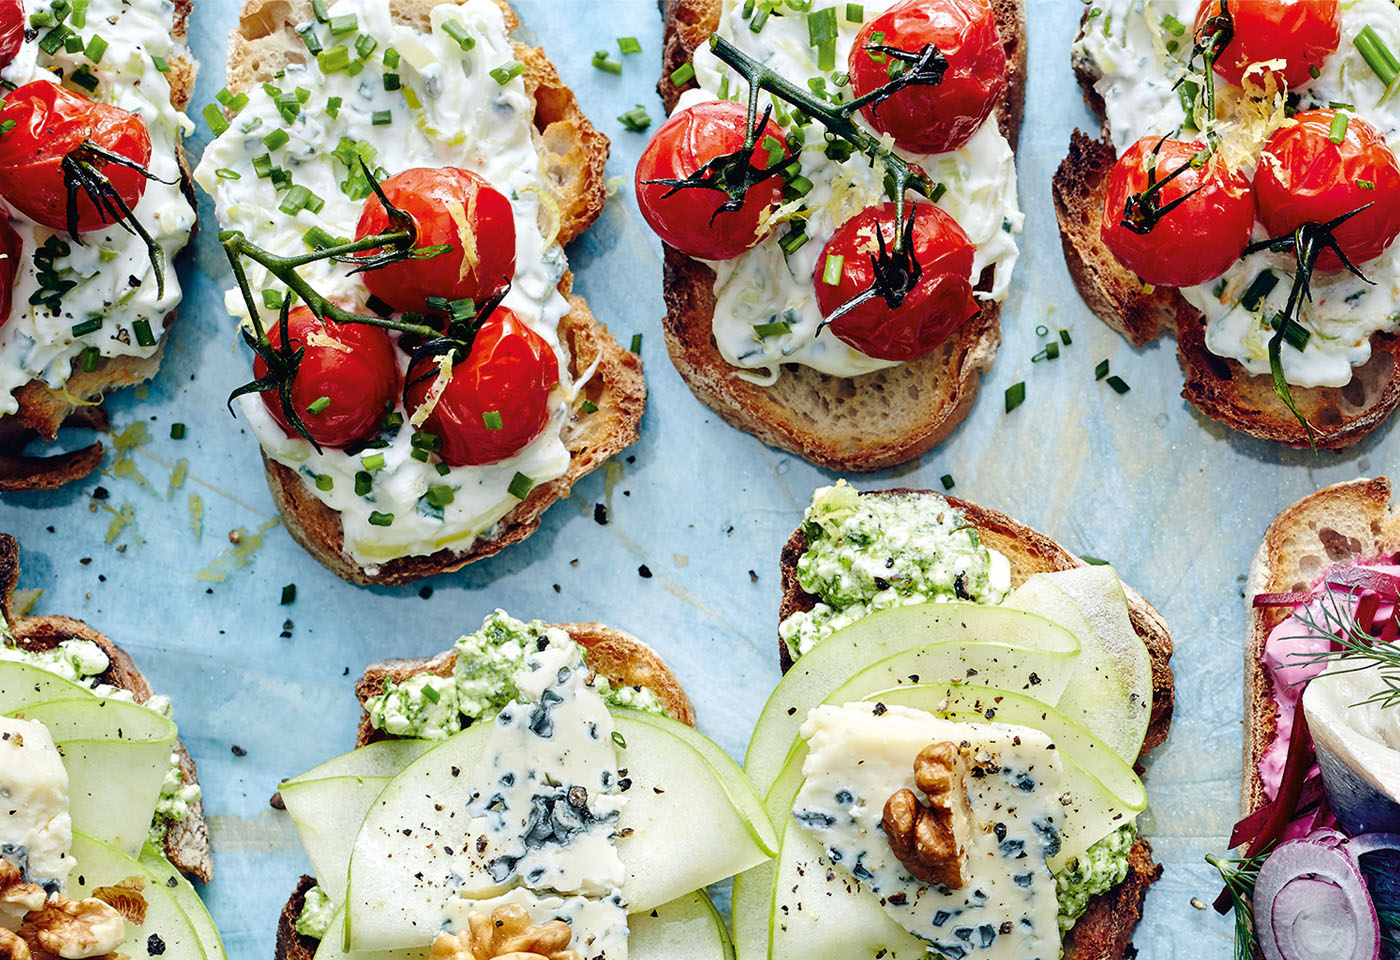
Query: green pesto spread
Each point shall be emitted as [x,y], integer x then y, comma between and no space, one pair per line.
[317,912]
[871,553]
[1102,867]
[489,662]
[176,798]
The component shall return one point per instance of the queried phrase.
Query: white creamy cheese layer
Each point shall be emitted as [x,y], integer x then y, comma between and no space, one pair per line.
[763,285]
[862,753]
[599,926]
[36,832]
[115,282]
[1131,45]
[448,111]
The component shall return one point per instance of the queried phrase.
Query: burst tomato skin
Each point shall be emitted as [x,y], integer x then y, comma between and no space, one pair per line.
[689,220]
[449,207]
[352,364]
[934,119]
[51,122]
[1197,241]
[1306,178]
[11,249]
[1302,32]
[939,304]
[510,371]
[11,30]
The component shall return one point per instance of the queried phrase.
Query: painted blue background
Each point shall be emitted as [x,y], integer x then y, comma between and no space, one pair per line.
[1175,500]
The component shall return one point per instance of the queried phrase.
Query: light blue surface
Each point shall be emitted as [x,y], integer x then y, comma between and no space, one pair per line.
[1176,501]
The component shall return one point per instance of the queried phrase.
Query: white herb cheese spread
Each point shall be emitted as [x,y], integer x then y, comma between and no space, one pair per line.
[112,307]
[1138,49]
[765,285]
[446,108]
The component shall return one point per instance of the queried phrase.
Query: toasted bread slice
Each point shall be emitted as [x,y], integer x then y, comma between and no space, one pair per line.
[619,656]
[1221,389]
[844,423]
[186,842]
[1105,930]
[43,410]
[572,156]
[1344,522]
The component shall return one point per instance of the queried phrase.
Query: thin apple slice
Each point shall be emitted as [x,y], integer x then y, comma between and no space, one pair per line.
[165,932]
[332,946]
[328,813]
[689,928]
[932,642]
[1111,693]
[116,754]
[750,908]
[383,758]
[165,876]
[23,683]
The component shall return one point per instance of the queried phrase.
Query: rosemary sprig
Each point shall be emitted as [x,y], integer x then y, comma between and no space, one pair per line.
[1349,639]
[1240,875]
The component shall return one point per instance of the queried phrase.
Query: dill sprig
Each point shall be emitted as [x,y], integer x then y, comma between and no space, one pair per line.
[1240,875]
[1349,640]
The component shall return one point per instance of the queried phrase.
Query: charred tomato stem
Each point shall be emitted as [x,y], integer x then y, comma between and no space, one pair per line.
[1208,43]
[929,66]
[1142,211]
[896,273]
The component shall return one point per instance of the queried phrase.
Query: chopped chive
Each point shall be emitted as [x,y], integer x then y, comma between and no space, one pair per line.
[289,594]
[312,41]
[262,166]
[855,13]
[1377,55]
[324,481]
[491,419]
[1015,395]
[759,20]
[7,125]
[318,405]
[636,343]
[54,39]
[947,481]
[373,461]
[826,56]
[683,74]
[142,329]
[95,48]
[41,19]
[90,325]
[1365,184]
[507,72]
[1174,26]
[588,406]
[177,431]
[364,45]
[821,26]
[629,45]
[442,468]
[775,329]
[603,61]
[1294,333]
[440,496]
[635,120]
[344,24]
[1338,133]
[334,59]
[215,118]
[391,81]
[793,240]
[333,107]
[84,78]
[1259,288]
[1064,337]
[275,139]
[831,270]
[363,483]
[160,63]
[1339,105]
[88,360]
[378,519]
[799,186]
[73,43]
[520,486]
[381,118]
[1118,385]
[296,199]
[459,33]
[1101,370]
[318,7]
[224,173]
[423,440]
[391,58]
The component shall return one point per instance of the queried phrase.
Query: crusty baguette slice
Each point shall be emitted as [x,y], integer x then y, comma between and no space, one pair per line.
[1105,930]
[572,156]
[844,423]
[1221,389]
[42,410]
[1346,521]
[619,656]
[186,842]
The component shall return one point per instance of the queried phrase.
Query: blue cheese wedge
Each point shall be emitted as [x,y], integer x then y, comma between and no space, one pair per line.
[36,832]
[862,753]
[599,926]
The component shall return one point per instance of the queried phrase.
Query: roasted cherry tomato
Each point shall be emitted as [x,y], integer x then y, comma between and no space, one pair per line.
[353,365]
[496,400]
[52,123]
[11,249]
[1306,178]
[932,118]
[1301,32]
[690,219]
[11,30]
[451,208]
[940,302]
[1190,243]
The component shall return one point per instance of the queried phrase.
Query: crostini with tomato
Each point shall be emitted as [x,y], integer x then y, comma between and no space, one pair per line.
[1245,197]
[95,203]
[395,190]
[837,247]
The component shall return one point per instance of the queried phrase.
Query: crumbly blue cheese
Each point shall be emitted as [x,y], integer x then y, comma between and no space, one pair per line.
[1134,49]
[113,279]
[599,925]
[765,285]
[36,832]
[484,126]
[862,753]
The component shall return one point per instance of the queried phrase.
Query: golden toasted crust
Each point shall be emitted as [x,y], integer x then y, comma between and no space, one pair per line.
[1104,932]
[1221,389]
[572,156]
[186,842]
[846,423]
[1344,522]
[290,944]
[43,410]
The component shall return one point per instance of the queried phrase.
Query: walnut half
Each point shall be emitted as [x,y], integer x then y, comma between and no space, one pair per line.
[931,840]
[75,929]
[507,934]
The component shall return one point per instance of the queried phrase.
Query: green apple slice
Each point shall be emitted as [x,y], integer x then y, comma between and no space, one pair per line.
[1012,649]
[166,931]
[328,814]
[750,909]
[1111,693]
[383,758]
[116,754]
[332,946]
[23,683]
[163,874]
[688,928]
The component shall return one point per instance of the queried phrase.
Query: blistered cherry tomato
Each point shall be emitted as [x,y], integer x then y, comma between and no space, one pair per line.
[497,398]
[11,249]
[452,208]
[1306,178]
[1193,242]
[1301,32]
[351,365]
[939,304]
[690,219]
[11,30]
[52,122]
[942,116]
